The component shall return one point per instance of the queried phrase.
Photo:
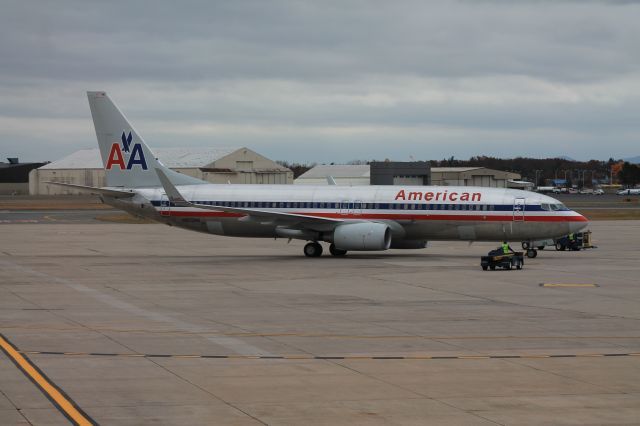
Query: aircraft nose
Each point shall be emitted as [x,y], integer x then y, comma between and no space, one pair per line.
[578,223]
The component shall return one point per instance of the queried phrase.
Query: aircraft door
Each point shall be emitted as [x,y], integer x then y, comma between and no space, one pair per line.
[357,207]
[344,207]
[165,206]
[518,209]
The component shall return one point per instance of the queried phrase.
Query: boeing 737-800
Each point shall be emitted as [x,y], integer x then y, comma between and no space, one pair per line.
[363,218]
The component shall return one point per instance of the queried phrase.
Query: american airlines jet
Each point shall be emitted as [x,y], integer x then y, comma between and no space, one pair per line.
[365,218]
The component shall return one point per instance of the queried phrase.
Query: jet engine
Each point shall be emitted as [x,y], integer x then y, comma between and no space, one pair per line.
[362,236]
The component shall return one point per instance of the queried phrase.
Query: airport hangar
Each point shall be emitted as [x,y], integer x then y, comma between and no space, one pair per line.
[215,165]
[411,173]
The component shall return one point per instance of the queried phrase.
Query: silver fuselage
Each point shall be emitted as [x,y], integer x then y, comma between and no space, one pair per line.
[412,213]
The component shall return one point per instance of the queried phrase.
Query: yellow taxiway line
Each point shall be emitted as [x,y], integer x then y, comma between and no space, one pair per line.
[59,399]
[569,285]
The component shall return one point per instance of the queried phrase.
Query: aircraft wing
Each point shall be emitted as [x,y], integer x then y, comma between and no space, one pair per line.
[94,190]
[262,215]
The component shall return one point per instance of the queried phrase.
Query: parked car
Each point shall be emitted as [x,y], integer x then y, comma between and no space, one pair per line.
[598,191]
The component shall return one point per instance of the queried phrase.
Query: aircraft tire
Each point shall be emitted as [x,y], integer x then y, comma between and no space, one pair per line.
[525,245]
[531,253]
[312,250]
[335,251]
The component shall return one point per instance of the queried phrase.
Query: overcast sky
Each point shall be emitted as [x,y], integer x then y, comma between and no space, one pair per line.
[327,81]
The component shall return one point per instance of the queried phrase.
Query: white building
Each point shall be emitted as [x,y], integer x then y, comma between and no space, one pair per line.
[215,165]
[471,176]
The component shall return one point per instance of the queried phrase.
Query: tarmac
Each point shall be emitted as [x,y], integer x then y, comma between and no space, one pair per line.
[129,324]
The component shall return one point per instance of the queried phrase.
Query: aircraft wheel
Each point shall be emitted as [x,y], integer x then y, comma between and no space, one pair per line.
[559,246]
[312,250]
[525,245]
[531,253]
[335,251]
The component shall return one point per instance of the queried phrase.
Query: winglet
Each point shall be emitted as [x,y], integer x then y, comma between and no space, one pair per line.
[169,188]
[331,180]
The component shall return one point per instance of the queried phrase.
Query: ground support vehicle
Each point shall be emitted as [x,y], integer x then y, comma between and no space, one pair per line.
[581,241]
[497,259]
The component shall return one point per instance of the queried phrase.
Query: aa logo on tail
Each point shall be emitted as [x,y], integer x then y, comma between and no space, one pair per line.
[117,157]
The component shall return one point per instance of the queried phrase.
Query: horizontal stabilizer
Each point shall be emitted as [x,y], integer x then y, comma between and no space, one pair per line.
[94,190]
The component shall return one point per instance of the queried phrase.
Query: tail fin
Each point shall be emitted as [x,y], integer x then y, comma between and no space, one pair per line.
[128,161]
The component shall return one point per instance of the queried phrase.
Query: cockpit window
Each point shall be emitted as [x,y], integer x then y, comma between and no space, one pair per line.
[558,207]
[545,206]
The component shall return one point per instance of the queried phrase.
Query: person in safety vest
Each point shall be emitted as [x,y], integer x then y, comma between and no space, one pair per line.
[506,249]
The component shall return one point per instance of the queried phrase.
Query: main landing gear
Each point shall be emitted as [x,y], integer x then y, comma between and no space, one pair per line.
[531,252]
[314,249]
[335,251]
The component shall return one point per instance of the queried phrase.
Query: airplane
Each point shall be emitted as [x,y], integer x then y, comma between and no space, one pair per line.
[629,191]
[361,218]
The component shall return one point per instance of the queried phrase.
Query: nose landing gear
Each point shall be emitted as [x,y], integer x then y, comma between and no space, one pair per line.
[531,253]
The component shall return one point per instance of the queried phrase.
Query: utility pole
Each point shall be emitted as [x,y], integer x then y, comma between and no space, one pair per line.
[537,181]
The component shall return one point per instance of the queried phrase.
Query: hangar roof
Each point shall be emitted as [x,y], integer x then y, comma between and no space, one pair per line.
[454,169]
[170,157]
[337,171]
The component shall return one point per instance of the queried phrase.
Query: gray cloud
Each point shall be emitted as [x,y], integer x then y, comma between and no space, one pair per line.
[294,78]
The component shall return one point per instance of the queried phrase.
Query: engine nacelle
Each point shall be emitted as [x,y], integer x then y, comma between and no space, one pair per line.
[408,244]
[362,236]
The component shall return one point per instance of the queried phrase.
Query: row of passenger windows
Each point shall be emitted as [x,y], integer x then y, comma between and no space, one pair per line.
[347,205]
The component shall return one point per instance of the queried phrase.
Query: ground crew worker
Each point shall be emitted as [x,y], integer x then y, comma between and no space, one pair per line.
[505,248]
